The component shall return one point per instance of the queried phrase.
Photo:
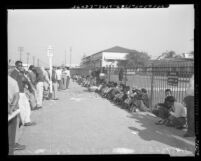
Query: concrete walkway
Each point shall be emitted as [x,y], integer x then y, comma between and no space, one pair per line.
[82,122]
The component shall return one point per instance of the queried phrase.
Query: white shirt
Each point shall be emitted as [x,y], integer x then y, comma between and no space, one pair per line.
[59,74]
[190,88]
[179,110]
[67,72]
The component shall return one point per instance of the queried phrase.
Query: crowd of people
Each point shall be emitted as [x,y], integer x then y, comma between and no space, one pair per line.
[27,89]
[170,112]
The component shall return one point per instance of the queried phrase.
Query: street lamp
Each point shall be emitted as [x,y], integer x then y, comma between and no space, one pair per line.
[50,55]
[20,50]
[28,59]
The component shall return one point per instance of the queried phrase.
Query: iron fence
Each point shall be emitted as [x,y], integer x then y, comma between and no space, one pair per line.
[156,78]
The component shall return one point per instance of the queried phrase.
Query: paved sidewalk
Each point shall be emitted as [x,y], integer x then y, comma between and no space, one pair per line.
[82,122]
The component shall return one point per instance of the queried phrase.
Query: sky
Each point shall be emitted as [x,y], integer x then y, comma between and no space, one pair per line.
[89,31]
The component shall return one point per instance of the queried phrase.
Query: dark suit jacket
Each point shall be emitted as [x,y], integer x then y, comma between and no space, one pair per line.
[18,77]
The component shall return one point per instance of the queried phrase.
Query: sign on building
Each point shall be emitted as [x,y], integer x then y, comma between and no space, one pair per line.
[173,78]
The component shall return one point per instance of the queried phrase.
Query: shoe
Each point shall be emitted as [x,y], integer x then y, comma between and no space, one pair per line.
[169,125]
[188,135]
[180,127]
[29,124]
[18,146]
[37,108]
[160,122]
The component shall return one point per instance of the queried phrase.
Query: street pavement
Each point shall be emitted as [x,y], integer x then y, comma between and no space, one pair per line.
[81,122]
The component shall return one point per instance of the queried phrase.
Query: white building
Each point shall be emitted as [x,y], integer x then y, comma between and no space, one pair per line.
[105,58]
[72,65]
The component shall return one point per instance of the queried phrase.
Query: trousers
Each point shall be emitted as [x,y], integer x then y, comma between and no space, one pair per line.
[39,94]
[67,81]
[12,125]
[189,100]
[64,79]
[59,84]
[25,109]
[54,89]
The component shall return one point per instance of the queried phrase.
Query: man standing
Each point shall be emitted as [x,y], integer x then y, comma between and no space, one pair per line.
[68,77]
[25,110]
[13,98]
[32,77]
[189,101]
[54,83]
[39,86]
[59,73]
[177,116]
[64,77]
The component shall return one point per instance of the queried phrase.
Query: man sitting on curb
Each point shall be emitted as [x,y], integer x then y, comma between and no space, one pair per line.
[177,116]
[161,109]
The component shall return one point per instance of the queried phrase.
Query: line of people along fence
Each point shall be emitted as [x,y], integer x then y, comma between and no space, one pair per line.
[155,78]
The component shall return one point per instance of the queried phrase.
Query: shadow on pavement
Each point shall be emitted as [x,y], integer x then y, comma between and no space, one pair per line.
[161,133]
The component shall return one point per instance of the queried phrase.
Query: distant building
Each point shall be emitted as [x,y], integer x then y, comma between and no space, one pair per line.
[105,58]
[72,65]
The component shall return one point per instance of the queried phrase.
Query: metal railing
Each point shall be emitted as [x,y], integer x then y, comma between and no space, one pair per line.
[156,79]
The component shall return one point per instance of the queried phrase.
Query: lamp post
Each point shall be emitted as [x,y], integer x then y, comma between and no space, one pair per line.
[28,59]
[20,50]
[50,55]
[70,55]
[33,60]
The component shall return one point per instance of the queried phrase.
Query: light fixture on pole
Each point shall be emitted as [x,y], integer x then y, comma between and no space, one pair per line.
[50,55]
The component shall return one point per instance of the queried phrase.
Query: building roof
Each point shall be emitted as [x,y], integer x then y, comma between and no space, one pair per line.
[116,49]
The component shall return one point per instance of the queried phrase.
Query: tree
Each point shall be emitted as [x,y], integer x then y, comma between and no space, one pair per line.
[192,54]
[166,55]
[135,58]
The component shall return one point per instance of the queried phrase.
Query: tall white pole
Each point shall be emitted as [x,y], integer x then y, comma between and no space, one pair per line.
[70,55]
[50,64]
[50,55]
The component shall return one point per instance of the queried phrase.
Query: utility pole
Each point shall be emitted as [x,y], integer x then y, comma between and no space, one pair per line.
[70,55]
[65,57]
[38,62]
[28,59]
[20,49]
[50,55]
[34,60]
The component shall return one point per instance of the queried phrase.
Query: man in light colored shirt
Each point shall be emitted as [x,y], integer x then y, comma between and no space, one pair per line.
[67,73]
[59,74]
[177,116]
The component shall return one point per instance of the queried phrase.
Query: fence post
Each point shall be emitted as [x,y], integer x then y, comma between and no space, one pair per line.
[109,73]
[152,86]
[125,77]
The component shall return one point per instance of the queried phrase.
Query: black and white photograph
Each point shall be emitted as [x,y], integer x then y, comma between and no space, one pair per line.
[98,81]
